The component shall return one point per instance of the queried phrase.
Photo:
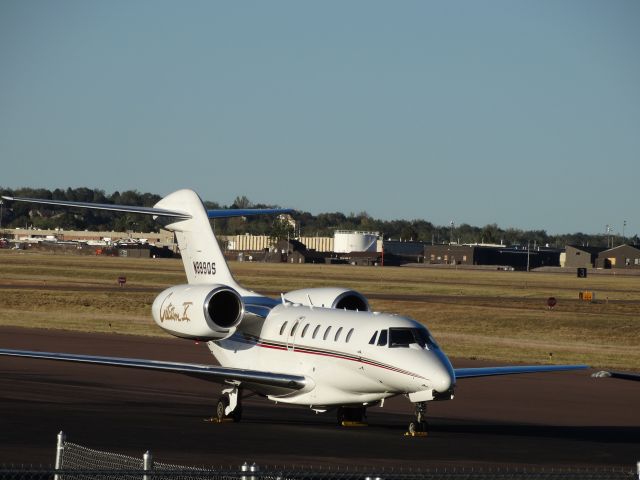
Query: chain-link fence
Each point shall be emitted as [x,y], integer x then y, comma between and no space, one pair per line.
[292,474]
[75,462]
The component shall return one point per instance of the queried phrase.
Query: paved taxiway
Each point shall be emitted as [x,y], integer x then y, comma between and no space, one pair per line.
[542,419]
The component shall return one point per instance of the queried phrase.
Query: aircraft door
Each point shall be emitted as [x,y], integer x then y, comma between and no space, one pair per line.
[291,338]
[371,351]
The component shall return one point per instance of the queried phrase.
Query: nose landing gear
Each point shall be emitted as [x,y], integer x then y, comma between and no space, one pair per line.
[418,428]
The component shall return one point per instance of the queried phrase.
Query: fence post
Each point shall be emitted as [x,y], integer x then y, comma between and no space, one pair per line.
[254,469]
[147,464]
[59,452]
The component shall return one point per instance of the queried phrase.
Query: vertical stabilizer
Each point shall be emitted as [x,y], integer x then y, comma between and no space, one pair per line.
[202,257]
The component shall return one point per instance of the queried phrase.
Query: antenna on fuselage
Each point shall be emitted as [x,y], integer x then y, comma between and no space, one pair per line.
[310,302]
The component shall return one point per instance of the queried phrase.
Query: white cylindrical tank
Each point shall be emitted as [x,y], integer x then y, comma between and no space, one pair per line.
[345,241]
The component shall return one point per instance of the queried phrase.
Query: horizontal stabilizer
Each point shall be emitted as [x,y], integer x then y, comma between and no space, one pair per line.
[491,371]
[159,212]
[238,212]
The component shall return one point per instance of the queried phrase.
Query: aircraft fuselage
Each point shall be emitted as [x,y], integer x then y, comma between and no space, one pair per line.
[351,357]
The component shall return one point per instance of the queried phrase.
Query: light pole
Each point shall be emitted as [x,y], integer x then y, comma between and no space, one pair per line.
[1,205]
[624,224]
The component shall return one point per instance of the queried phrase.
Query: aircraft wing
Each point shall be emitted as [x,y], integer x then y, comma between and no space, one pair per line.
[623,375]
[262,381]
[492,371]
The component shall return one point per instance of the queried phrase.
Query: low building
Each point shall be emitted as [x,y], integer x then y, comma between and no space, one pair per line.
[160,239]
[449,254]
[517,258]
[622,256]
[581,257]
[405,252]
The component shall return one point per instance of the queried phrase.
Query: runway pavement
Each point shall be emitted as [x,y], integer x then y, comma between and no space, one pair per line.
[562,419]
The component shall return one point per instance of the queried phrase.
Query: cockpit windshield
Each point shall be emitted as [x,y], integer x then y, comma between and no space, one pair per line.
[404,337]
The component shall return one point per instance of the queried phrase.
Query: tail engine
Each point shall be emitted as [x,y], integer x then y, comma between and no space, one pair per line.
[202,312]
[339,298]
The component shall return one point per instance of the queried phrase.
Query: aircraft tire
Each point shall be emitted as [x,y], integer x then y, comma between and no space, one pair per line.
[222,404]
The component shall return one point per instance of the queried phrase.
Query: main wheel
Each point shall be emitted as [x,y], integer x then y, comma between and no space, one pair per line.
[413,428]
[221,406]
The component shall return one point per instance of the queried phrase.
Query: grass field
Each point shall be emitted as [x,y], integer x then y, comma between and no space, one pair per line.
[481,314]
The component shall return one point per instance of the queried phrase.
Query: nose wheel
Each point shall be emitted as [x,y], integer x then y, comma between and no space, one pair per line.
[418,428]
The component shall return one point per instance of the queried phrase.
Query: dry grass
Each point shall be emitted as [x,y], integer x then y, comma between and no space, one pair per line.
[483,314]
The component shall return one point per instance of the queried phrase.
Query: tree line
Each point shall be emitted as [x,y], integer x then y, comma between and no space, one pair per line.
[21,215]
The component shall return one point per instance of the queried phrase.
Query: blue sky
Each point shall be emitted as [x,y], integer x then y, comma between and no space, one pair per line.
[523,113]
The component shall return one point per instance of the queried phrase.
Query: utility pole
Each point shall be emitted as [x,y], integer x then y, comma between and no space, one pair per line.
[624,224]
[527,256]
[1,205]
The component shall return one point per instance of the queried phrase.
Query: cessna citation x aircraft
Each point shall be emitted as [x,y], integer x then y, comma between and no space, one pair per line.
[318,347]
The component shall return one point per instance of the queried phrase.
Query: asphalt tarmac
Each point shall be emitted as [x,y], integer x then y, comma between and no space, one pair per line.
[553,419]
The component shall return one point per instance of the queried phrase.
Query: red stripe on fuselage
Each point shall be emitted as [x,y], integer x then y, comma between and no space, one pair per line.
[260,343]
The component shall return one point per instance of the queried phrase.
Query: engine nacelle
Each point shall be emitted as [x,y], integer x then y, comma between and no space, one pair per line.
[202,312]
[339,298]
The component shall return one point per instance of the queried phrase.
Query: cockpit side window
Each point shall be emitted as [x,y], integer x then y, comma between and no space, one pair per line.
[403,337]
[382,341]
[373,338]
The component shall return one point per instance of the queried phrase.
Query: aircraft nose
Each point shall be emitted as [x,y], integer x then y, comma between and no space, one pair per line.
[443,378]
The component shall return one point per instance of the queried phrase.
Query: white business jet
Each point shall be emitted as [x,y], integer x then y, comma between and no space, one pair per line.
[318,347]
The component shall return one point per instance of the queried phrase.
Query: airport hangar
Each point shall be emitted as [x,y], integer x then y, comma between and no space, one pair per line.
[348,247]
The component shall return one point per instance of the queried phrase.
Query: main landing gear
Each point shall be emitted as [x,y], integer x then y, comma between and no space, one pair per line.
[418,428]
[229,406]
[352,416]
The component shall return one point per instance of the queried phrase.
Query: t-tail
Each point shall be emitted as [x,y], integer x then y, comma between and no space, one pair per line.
[203,260]
[184,213]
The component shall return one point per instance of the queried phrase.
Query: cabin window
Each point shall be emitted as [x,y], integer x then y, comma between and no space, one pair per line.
[315,331]
[326,333]
[335,339]
[304,330]
[294,328]
[284,325]
[382,341]
[349,336]
[373,338]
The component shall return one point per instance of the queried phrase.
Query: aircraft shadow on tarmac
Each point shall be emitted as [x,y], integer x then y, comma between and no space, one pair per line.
[606,434]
